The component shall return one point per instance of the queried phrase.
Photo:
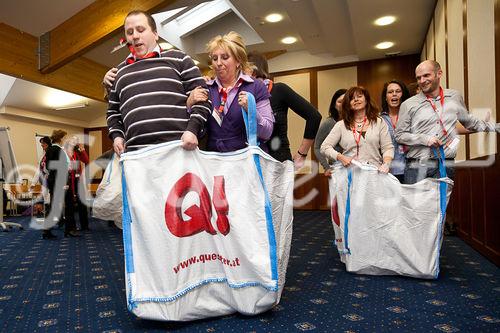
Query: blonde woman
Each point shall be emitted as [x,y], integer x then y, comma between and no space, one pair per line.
[226,128]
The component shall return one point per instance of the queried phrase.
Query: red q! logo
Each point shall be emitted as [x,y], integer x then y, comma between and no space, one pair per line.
[200,216]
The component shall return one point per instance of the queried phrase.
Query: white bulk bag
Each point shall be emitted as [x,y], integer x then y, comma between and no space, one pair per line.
[383,227]
[205,234]
[107,204]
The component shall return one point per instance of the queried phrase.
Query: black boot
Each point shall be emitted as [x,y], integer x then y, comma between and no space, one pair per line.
[47,234]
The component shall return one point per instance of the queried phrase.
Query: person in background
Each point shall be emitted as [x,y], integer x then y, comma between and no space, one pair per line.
[413,89]
[78,159]
[225,127]
[326,127]
[393,94]
[361,133]
[283,98]
[58,162]
[42,173]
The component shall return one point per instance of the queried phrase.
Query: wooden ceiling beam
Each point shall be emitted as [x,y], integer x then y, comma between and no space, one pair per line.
[89,27]
[18,58]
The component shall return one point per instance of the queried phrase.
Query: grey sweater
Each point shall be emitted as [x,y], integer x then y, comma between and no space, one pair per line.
[324,129]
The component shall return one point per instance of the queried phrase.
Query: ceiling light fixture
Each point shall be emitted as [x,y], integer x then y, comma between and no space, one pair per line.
[76,106]
[384,45]
[385,20]
[273,18]
[289,40]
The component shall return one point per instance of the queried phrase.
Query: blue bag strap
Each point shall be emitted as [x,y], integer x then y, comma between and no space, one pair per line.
[250,119]
[127,239]
[347,211]
[441,161]
[443,189]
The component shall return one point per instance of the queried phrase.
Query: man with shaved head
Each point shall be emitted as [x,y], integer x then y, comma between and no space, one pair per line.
[428,120]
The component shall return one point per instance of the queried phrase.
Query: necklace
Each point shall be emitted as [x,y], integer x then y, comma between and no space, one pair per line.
[359,124]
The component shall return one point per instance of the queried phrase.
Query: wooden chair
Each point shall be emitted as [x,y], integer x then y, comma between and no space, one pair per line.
[93,189]
[11,196]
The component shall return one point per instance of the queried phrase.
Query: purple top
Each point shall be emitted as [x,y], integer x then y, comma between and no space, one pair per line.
[265,117]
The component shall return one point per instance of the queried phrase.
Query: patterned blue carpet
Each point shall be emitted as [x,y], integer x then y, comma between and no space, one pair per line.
[77,285]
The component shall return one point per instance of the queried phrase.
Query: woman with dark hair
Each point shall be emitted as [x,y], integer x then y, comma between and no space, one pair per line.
[78,159]
[58,162]
[283,98]
[43,172]
[393,95]
[326,127]
[361,133]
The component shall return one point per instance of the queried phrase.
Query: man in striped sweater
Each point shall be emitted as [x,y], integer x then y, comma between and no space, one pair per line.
[147,100]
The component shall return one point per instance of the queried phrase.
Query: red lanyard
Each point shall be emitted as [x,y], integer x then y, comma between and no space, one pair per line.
[358,137]
[133,58]
[223,99]
[223,96]
[441,97]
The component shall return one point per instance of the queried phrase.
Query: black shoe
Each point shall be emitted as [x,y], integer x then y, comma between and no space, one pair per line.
[48,235]
[71,234]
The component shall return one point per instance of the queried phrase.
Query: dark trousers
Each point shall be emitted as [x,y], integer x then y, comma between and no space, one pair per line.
[417,170]
[69,212]
[67,205]
[83,215]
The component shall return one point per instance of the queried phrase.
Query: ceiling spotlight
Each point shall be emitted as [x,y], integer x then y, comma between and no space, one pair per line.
[289,40]
[385,20]
[384,45]
[274,17]
[166,46]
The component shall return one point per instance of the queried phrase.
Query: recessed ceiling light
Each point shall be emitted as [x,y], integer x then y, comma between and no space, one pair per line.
[384,45]
[385,20]
[166,46]
[289,40]
[274,17]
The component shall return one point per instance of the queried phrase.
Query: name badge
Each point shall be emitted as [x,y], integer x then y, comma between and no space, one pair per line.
[217,117]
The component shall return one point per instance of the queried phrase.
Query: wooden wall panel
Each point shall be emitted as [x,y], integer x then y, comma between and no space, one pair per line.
[474,204]
[430,44]
[372,74]
[492,213]
[440,39]
[99,148]
[477,205]
[481,78]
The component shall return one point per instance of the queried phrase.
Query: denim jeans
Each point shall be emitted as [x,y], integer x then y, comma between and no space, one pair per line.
[416,170]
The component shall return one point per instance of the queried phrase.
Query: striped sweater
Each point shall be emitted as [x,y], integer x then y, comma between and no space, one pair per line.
[147,103]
